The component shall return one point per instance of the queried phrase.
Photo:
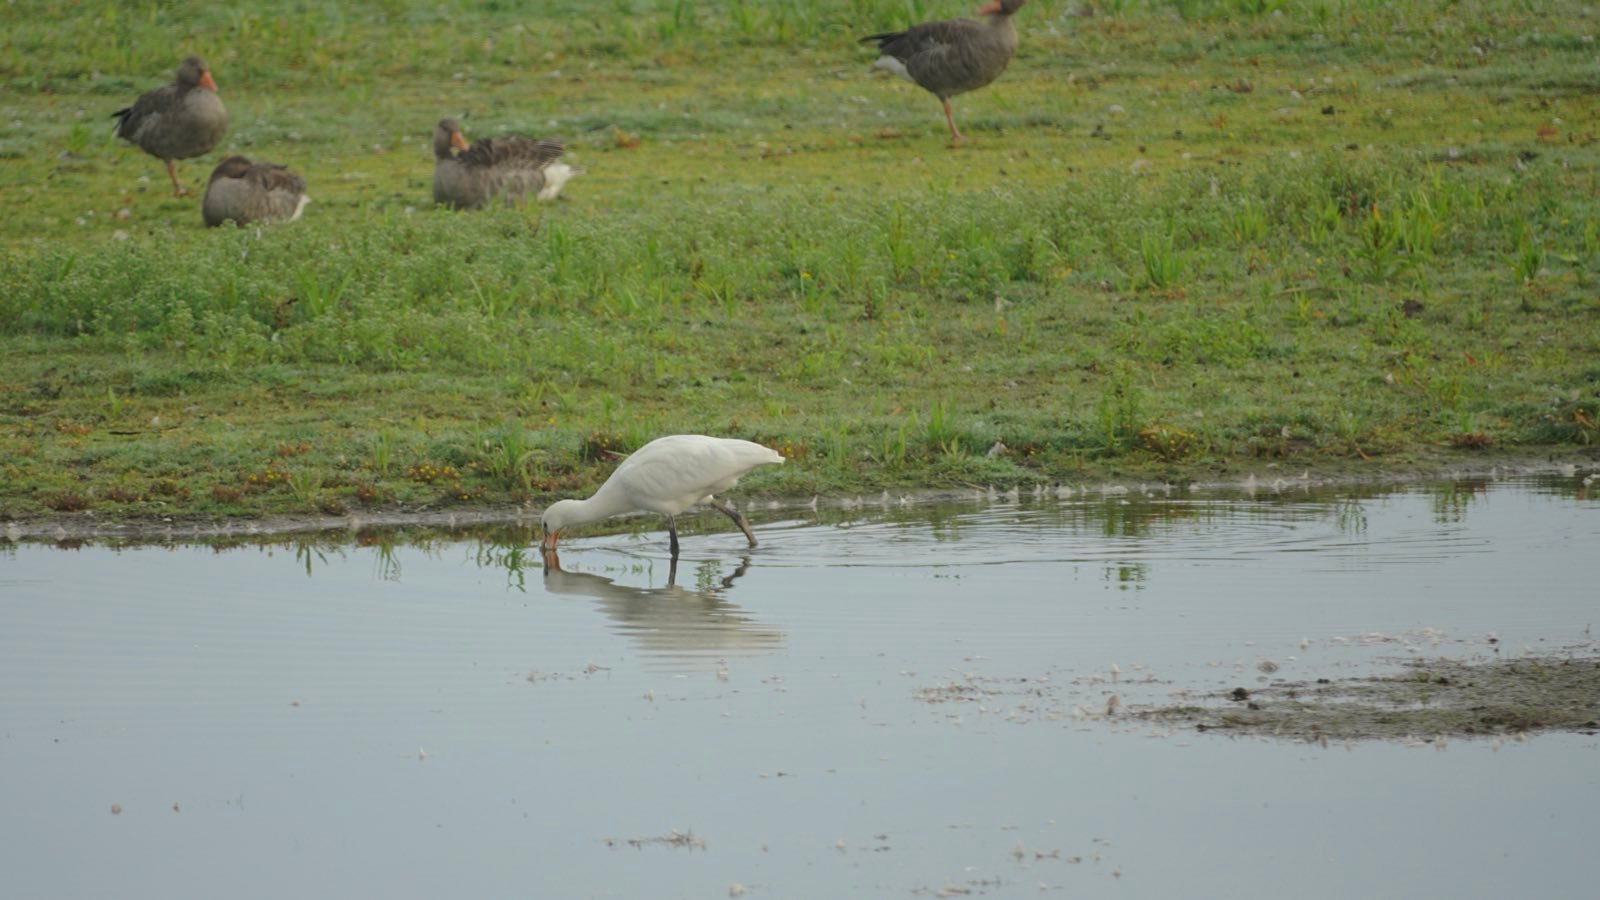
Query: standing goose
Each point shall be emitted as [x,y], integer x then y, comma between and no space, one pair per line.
[509,167]
[177,121]
[666,476]
[954,56]
[246,192]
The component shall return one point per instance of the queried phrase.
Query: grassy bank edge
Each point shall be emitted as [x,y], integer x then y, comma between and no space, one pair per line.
[1264,480]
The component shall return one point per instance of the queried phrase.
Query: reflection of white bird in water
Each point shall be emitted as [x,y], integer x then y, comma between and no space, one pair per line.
[671,620]
[667,476]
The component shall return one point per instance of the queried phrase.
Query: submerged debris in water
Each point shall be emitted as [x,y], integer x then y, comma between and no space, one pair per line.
[673,838]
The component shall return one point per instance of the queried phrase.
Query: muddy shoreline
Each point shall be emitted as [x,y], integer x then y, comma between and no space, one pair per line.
[1428,700]
[1258,481]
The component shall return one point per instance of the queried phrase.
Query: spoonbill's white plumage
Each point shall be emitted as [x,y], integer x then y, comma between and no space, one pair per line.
[667,476]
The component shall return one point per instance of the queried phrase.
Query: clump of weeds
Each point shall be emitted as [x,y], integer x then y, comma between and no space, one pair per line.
[1169,442]
[602,446]
[430,473]
[507,456]
[67,501]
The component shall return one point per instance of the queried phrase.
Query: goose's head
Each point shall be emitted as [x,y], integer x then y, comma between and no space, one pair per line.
[232,167]
[447,135]
[193,72]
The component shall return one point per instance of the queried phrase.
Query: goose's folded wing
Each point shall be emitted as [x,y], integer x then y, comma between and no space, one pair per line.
[512,152]
[271,177]
[929,37]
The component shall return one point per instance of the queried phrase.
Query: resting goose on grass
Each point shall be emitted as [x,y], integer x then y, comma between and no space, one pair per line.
[470,176]
[245,192]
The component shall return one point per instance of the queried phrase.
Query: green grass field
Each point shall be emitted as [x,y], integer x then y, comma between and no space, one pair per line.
[1190,237]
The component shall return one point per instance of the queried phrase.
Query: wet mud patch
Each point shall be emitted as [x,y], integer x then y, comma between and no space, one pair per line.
[1429,699]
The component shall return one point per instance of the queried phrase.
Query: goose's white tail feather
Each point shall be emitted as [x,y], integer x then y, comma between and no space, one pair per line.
[891,64]
[556,176]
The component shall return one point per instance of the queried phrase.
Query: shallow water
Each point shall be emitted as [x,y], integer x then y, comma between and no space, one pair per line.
[881,700]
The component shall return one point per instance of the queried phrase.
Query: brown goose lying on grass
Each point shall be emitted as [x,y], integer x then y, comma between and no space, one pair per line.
[954,56]
[510,168]
[246,192]
[177,121]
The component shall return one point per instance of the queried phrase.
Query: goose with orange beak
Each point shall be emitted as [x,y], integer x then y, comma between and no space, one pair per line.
[180,120]
[953,56]
[508,169]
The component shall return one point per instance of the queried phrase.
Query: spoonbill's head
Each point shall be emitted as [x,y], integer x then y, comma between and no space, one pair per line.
[556,517]
[1000,7]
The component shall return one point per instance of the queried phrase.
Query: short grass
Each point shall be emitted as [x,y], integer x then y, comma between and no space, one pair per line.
[1185,237]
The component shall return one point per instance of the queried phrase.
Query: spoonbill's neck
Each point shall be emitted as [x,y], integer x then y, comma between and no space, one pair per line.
[603,505]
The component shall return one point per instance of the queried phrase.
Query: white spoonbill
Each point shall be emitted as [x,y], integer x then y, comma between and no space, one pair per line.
[667,476]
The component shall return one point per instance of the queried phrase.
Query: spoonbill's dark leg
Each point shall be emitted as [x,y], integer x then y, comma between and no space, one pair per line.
[672,571]
[736,516]
[672,532]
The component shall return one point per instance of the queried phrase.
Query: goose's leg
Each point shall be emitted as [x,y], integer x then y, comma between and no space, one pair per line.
[950,116]
[672,533]
[736,516]
[172,172]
